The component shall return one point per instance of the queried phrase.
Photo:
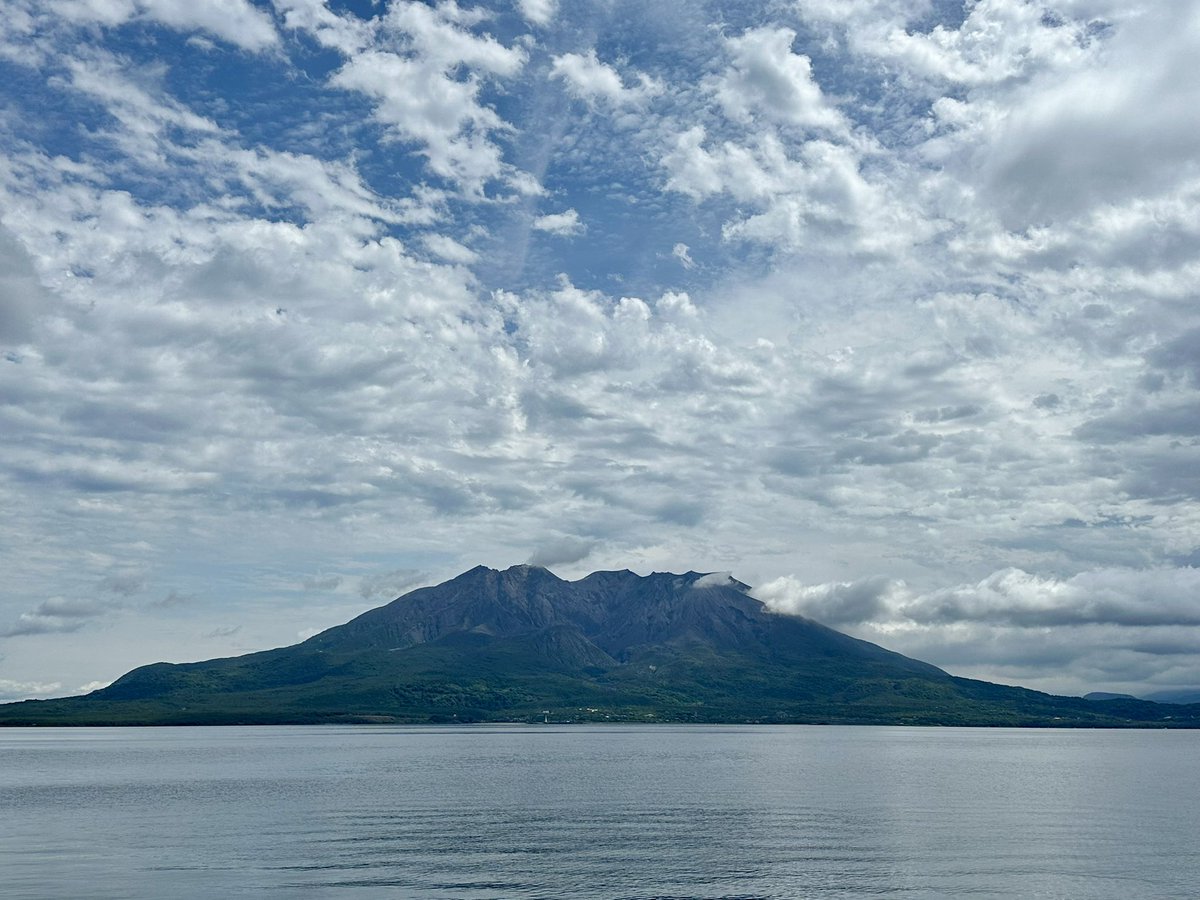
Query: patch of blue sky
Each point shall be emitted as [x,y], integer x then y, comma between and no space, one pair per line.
[949,14]
[629,227]
[362,9]
[45,115]
[282,103]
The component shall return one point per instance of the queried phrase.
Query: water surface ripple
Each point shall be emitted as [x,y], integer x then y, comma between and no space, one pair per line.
[598,812]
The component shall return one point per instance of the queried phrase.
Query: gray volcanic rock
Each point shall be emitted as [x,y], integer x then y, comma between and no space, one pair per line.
[620,613]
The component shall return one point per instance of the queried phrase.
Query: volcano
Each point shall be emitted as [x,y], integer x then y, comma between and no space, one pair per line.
[524,645]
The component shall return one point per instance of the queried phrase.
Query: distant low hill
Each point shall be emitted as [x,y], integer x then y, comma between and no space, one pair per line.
[1186,697]
[525,645]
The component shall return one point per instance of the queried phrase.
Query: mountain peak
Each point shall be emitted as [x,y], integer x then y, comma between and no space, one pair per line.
[518,569]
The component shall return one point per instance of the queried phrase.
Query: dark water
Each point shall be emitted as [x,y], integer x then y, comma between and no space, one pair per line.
[605,812]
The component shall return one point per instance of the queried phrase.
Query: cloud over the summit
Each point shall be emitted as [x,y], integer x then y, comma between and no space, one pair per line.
[838,603]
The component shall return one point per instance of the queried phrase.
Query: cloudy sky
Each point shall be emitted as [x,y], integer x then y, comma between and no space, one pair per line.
[887,306]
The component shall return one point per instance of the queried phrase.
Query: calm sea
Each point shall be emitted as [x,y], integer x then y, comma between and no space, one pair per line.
[608,812]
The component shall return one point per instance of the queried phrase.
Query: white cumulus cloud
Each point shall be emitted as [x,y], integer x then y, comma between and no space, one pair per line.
[590,79]
[564,224]
[539,12]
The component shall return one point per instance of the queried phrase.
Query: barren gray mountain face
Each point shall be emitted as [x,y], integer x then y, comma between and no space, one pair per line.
[610,617]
